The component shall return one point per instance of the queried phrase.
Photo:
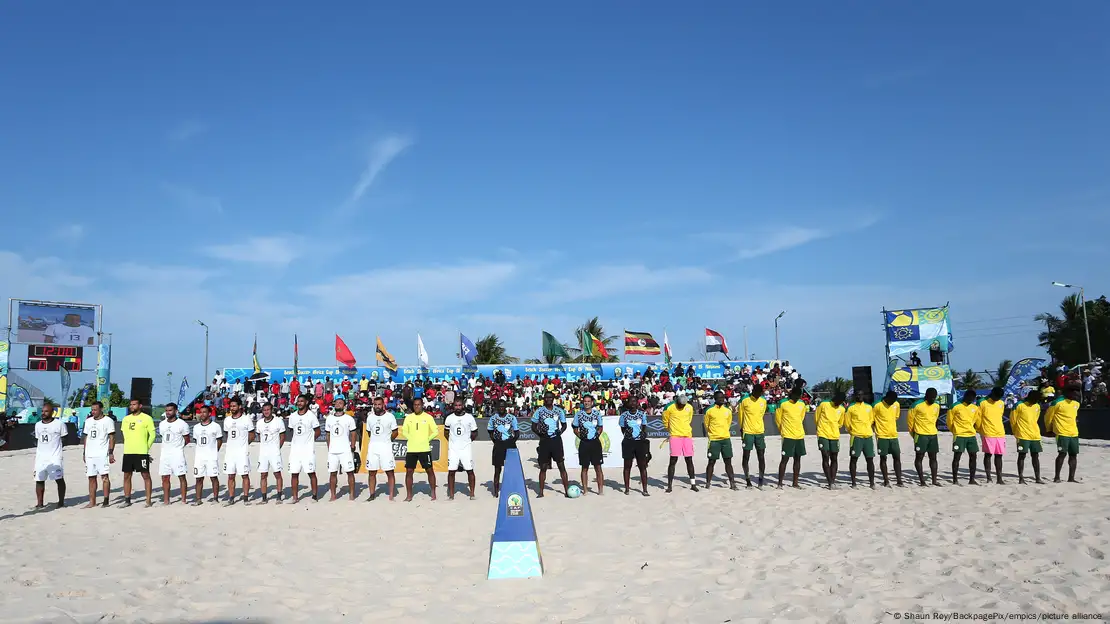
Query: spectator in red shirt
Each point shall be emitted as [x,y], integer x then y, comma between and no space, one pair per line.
[275,388]
[346,386]
[294,388]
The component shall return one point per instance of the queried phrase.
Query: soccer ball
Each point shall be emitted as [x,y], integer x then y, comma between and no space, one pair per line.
[574,491]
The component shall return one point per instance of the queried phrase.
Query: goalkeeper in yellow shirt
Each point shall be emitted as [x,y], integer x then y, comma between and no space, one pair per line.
[993,432]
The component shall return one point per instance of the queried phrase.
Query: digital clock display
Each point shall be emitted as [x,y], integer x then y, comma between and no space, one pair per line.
[52,357]
[54,351]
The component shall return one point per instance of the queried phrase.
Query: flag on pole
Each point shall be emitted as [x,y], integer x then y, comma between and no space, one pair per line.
[384,358]
[421,354]
[343,355]
[553,348]
[592,345]
[181,393]
[640,343]
[666,348]
[467,350]
[257,368]
[295,355]
[66,380]
[715,342]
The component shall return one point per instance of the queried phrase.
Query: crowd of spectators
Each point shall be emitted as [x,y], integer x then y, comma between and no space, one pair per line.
[1058,377]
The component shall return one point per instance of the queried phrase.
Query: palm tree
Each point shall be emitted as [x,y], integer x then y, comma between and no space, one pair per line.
[1002,373]
[534,361]
[832,386]
[490,350]
[593,326]
[970,380]
[1065,336]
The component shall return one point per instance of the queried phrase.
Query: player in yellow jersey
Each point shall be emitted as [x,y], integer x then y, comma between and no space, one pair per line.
[676,420]
[789,418]
[138,437]
[1061,420]
[1024,422]
[830,419]
[922,423]
[860,420]
[886,413]
[963,420]
[993,432]
[752,410]
[718,424]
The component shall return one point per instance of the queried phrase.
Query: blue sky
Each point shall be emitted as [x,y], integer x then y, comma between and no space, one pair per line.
[286,168]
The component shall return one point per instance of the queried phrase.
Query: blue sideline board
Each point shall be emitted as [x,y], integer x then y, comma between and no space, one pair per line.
[514,551]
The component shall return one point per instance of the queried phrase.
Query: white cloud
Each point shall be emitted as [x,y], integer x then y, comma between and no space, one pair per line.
[389,288]
[73,231]
[381,154]
[193,201]
[267,250]
[187,130]
[614,280]
[144,276]
[781,238]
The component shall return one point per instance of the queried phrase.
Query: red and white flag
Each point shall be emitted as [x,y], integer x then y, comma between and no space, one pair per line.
[715,342]
[666,348]
[343,354]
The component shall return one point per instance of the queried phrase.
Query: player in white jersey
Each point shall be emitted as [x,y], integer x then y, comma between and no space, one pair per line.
[171,461]
[381,429]
[209,437]
[302,448]
[48,455]
[341,429]
[237,452]
[270,430]
[462,429]
[100,445]
[69,332]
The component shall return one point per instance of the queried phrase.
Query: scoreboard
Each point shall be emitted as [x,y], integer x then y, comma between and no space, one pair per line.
[52,357]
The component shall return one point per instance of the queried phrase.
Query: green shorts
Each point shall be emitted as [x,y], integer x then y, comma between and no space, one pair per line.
[863,446]
[969,444]
[720,448]
[828,445]
[889,446]
[1029,446]
[1067,444]
[793,448]
[754,439]
[926,443]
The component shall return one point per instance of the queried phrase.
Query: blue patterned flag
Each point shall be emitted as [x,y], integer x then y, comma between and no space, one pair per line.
[1025,370]
[181,394]
[467,351]
[66,381]
[918,330]
[913,381]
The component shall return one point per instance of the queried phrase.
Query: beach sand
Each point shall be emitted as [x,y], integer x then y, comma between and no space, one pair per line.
[754,555]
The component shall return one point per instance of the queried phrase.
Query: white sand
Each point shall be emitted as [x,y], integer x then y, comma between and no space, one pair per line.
[810,555]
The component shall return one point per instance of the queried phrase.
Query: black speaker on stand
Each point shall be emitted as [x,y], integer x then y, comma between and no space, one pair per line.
[141,388]
[861,380]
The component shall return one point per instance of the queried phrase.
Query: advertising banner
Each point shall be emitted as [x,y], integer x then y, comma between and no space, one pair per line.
[4,346]
[103,374]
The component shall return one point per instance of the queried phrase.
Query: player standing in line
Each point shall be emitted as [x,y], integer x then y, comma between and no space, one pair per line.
[171,460]
[860,419]
[886,414]
[462,430]
[963,420]
[341,428]
[752,410]
[1024,423]
[676,420]
[138,438]
[48,456]
[381,428]
[1061,419]
[270,430]
[237,456]
[100,446]
[830,418]
[209,438]
[718,424]
[302,448]
[790,418]
[587,425]
[922,423]
[993,432]
[419,429]
[549,423]
[635,445]
[503,431]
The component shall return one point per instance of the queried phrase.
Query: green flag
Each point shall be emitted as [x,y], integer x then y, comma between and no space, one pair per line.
[553,348]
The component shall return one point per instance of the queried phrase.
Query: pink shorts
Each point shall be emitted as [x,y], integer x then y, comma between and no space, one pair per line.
[994,446]
[682,447]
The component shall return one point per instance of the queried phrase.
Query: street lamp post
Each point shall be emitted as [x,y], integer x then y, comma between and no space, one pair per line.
[1082,304]
[201,323]
[777,333]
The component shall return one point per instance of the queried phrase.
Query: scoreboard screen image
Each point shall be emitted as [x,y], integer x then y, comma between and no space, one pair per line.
[52,357]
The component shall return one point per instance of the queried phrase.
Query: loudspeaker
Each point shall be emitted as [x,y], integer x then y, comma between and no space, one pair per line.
[861,378]
[141,388]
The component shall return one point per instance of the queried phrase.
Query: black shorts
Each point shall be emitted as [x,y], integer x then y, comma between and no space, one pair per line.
[589,452]
[136,463]
[500,447]
[550,449]
[424,459]
[640,450]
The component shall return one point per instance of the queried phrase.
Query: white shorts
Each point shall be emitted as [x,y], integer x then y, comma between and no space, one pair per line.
[344,461]
[172,465]
[380,460]
[269,461]
[461,459]
[48,469]
[302,460]
[206,467]
[96,466]
[238,463]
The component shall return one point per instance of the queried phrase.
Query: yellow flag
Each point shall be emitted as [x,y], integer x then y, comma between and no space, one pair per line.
[257,368]
[384,358]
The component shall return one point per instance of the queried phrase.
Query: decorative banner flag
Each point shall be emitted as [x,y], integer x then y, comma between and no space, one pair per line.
[257,368]
[592,345]
[553,348]
[912,381]
[343,355]
[66,381]
[4,346]
[295,356]
[1025,370]
[104,373]
[640,343]
[715,342]
[384,358]
[421,353]
[922,329]
[666,348]
[467,350]
[84,395]
[181,403]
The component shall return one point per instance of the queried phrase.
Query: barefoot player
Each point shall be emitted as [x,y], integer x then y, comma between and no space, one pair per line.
[922,423]
[1024,423]
[886,414]
[993,432]
[963,420]
[752,410]
[676,420]
[503,431]
[549,423]
[718,428]
[138,438]
[462,430]
[171,460]
[830,418]
[790,418]
[209,438]
[302,447]
[635,445]
[1061,420]
[587,425]
[419,429]
[860,419]
[341,428]
[381,428]
[100,448]
[271,437]
[237,452]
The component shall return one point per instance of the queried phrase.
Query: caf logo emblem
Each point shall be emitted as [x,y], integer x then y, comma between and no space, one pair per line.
[514,505]
[617,370]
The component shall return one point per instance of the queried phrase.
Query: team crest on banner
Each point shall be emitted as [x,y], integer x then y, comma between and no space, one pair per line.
[918,330]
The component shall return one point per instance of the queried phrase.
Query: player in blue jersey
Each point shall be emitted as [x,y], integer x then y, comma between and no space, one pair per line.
[588,427]
[549,422]
[635,445]
[503,431]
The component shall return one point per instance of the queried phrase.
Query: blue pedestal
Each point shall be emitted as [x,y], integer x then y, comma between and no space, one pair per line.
[514,551]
